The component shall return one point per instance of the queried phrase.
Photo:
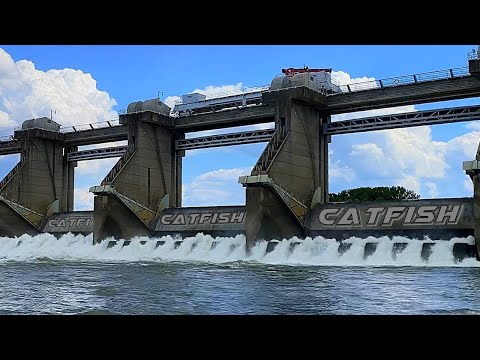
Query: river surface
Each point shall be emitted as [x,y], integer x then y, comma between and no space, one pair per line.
[45,275]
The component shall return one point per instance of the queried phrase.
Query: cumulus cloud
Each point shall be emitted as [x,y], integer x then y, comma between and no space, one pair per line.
[218,187]
[336,170]
[409,182]
[473,125]
[468,184]
[5,121]
[432,189]
[96,170]
[343,78]
[171,101]
[83,199]
[26,93]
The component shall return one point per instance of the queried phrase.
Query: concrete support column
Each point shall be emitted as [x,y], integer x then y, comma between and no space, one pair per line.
[42,178]
[148,175]
[476,206]
[323,155]
[69,180]
[297,165]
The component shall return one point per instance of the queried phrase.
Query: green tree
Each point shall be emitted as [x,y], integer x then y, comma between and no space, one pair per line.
[381,193]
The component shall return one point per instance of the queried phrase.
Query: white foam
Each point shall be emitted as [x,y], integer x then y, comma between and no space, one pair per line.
[316,251]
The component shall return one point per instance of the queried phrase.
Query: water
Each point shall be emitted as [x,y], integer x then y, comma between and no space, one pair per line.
[45,275]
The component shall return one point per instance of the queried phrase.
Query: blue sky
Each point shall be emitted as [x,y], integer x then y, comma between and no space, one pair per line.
[92,83]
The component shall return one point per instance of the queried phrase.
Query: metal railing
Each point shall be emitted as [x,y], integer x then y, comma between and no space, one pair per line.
[473,55]
[246,137]
[297,207]
[405,80]
[241,91]
[403,120]
[7,138]
[270,152]
[120,164]
[33,217]
[93,154]
[76,128]
[10,175]
[145,214]
[92,126]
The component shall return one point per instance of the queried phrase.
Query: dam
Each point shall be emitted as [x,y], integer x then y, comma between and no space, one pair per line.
[287,189]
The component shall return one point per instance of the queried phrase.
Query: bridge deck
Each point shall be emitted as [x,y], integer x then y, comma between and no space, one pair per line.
[410,94]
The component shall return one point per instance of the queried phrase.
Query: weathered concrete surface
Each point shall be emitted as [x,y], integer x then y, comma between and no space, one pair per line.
[151,171]
[297,166]
[146,175]
[96,136]
[114,219]
[432,91]
[267,217]
[436,218]
[297,163]
[215,221]
[78,222]
[45,176]
[12,224]
[476,205]
[229,118]
[474,67]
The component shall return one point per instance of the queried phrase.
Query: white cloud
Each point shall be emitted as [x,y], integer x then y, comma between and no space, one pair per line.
[5,121]
[218,187]
[170,101]
[342,78]
[95,169]
[223,174]
[468,185]
[432,189]
[83,199]
[409,182]
[467,144]
[336,170]
[210,92]
[369,149]
[217,91]
[27,93]
[473,125]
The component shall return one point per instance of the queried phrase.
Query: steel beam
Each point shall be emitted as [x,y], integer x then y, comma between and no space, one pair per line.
[9,146]
[404,120]
[247,137]
[93,154]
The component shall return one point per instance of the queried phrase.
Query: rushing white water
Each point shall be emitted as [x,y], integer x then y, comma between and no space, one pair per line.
[310,251]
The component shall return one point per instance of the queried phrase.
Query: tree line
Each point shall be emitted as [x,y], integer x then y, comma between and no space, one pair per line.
[381,193]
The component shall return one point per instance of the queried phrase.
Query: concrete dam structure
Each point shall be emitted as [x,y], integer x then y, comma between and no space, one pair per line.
[287,189]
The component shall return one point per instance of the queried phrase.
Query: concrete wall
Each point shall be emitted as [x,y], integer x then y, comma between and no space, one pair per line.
[12,224]
[216,221]
[268,217]
[437,218]
[298,166]
[152,171]
[45,176]
[113,218]
[75,222]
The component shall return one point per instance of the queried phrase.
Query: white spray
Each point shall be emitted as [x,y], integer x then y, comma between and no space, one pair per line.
[316,251]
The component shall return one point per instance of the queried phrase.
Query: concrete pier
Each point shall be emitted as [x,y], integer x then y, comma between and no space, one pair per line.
[293,167]
[41,183]
[145,180]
